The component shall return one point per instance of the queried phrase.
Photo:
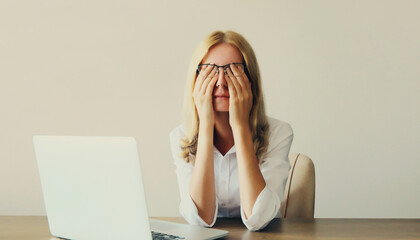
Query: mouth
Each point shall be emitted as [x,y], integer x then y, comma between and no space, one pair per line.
[221,97]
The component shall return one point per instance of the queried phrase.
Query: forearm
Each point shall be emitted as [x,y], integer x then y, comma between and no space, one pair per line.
[202,189]
[251,181]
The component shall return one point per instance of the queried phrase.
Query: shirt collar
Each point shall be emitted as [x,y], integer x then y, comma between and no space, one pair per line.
[231,150]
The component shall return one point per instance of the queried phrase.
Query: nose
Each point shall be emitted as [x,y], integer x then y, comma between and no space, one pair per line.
[221,81]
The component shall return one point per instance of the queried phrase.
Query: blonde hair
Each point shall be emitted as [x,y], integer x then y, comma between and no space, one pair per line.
[257,118]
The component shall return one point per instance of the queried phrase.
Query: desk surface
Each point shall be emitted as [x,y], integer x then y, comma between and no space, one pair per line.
[36,228]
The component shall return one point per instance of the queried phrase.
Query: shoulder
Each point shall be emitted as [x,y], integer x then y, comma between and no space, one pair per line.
[177,133]
[279,128]
[280,134]
[175,137]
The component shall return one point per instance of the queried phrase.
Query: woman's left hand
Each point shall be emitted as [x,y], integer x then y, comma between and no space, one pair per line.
[240,101]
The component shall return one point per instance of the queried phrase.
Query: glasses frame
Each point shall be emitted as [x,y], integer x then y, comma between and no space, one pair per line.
[224,66]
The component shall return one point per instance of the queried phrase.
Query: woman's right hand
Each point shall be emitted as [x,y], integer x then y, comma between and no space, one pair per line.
[203,94]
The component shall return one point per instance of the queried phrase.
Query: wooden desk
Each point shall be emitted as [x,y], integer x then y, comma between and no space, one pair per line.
[36,228]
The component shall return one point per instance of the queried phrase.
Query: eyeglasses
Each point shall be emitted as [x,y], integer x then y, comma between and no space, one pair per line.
[240,66]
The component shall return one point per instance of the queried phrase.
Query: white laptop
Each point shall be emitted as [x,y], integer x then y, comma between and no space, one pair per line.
[93,189]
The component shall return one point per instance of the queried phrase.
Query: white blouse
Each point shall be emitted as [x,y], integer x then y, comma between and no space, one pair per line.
[274,168]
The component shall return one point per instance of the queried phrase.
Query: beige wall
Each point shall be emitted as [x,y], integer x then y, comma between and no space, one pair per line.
[344,74]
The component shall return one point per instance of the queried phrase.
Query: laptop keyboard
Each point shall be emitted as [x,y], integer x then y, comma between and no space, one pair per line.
[164,236]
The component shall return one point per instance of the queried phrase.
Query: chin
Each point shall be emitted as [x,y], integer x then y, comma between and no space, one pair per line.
[221,107]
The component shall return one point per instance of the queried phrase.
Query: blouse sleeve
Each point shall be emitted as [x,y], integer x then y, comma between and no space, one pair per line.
[184,170]
[275,170]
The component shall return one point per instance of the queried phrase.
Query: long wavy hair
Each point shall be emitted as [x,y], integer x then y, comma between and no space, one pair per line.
[257,117]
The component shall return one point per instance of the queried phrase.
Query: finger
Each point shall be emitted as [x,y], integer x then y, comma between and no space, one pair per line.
[199,79]
[231,86]
[234,81]
[212,83]
[235,70]
[205,71]
[207,80]
[238,76]
[243,80]
[206,74]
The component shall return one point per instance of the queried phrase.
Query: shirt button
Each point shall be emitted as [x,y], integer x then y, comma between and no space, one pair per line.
[223,205]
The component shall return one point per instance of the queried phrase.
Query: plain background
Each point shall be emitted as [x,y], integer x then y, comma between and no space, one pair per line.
[344,74]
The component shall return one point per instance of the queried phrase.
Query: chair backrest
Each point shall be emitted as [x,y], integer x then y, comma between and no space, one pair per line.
[299,195]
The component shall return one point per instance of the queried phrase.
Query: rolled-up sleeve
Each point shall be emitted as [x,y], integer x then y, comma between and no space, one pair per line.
[184,170]
[275,170]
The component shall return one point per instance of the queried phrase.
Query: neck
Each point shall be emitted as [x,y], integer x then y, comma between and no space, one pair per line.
[221,125]
[223,135]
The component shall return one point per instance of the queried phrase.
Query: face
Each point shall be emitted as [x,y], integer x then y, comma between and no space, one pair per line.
[222,54]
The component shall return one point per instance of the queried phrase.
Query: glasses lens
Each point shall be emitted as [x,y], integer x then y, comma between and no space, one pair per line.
[200,67]
[240,67]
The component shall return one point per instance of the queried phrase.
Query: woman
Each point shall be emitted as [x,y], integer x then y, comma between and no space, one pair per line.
[231,159]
